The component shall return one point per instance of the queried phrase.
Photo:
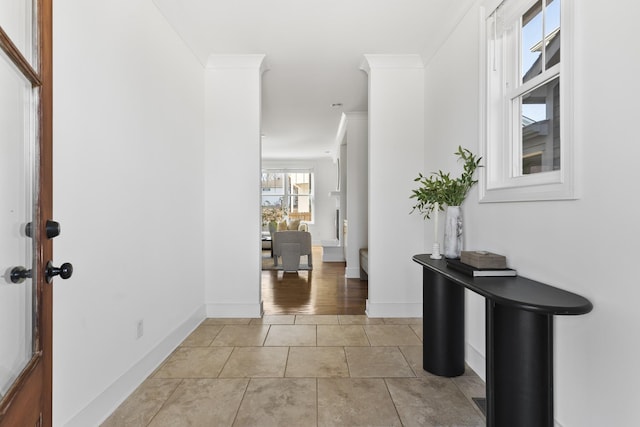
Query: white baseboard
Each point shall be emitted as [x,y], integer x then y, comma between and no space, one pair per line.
[332,256]
[332,251]
[352,272]
[394,309]
[105,403]
[234,310]
[476,361]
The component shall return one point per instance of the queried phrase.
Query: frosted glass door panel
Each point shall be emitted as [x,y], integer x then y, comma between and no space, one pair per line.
[16,19]
[16,188]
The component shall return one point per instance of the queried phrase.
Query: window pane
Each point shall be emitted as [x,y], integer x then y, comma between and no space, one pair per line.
[552,33]
[300,196]
[272,212]
[300,208]
[300,183]
[273,199]
[552,17]
[540,136]
[273,183]
[531,46]
[286,195]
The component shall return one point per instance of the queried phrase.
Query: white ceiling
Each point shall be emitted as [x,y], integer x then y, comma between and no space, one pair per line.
[314,49]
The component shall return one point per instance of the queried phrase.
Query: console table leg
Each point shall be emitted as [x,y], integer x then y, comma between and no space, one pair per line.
[519,367]
[443,325]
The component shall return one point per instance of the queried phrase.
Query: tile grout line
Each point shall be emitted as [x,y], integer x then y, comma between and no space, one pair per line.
[416,334]
[215,336]
[264,340]
[225,361]
[392,401]
[182,380]
[346,359]
[469,398]
[286,362]
[317,402]
[366,335]
[408,362]
[244,393]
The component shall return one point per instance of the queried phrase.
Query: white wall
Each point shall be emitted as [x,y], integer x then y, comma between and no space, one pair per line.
[325,180]
[342,197]
[356,168]
[586,246]
[232,201]
[452,119]
[396,151]
[128,192]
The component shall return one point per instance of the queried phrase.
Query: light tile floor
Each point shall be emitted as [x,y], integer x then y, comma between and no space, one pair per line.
[301,370]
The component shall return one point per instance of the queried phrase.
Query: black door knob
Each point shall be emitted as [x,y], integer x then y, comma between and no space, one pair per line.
[19,274]
[52,228]
[65,271]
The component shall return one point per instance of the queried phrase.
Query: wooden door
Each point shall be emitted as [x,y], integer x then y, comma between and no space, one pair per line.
[25,211]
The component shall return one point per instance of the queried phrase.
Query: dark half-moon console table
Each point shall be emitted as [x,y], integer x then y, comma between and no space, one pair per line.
[519,338]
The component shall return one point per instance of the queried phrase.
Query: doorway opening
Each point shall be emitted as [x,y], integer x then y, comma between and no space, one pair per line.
[323,290]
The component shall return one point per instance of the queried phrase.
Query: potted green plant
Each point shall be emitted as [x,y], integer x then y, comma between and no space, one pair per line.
[439,190]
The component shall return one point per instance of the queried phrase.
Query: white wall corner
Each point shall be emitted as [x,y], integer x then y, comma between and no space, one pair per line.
[251,61]
[373,61]
[342,129]
[476,361]
[396,144]
[352,272]
[450,23]
[355,170]
[357,115]
[232,154]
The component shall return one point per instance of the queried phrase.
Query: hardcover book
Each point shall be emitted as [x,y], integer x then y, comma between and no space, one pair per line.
[483,259]
[472,271]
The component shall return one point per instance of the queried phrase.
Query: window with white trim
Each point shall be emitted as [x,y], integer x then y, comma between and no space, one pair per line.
[527,147]
[287,194]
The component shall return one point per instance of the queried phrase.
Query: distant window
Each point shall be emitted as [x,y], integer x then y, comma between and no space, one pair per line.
[287,194]
[528,144]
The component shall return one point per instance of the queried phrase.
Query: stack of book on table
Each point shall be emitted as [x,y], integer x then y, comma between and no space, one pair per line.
[481,264]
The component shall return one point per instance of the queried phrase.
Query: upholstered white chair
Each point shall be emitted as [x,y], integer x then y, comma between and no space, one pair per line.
[290,246]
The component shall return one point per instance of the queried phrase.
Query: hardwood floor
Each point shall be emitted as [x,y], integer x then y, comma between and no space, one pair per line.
[323,290]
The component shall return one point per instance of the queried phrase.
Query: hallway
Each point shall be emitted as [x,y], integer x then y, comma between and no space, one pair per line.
[314,359]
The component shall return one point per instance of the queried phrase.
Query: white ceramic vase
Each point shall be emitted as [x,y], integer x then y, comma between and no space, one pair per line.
[452,232]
